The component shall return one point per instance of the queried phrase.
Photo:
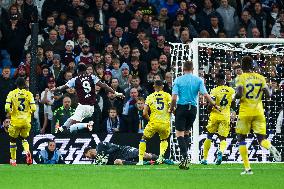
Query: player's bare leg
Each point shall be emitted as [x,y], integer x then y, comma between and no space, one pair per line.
[267,145]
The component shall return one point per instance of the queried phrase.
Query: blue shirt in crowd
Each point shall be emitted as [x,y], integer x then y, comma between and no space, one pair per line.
[187,87]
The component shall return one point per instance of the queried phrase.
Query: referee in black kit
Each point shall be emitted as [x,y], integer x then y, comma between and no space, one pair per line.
[186,88]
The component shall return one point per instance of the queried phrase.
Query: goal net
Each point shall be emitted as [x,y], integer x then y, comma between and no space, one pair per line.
[211,54]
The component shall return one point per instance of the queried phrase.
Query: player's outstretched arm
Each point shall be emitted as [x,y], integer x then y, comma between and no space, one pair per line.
[211,101]
[173,103]
[8,104]
[60,88]
[109,89]
[146,112]
[267,92]
[239,92]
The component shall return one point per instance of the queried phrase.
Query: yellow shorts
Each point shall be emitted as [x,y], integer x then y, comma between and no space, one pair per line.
[24,131]
[256,123]
[220,127]
[163,129]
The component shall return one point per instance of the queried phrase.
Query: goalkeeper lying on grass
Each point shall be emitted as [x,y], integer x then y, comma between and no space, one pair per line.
[113,154]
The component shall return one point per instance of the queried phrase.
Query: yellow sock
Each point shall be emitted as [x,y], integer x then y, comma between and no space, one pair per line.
[13,150]
[207,145]
[244,153]
[163,147]
[266,144]
[142,149]
[26,145]
[223,145]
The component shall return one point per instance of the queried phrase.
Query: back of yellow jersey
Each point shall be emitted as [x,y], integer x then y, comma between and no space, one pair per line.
[158,103]
[251,101]
[20,104]
[223,96]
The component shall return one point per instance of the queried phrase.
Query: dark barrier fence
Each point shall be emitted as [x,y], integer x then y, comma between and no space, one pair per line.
[72,145]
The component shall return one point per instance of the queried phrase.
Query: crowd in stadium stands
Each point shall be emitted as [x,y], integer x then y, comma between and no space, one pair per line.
[126,44]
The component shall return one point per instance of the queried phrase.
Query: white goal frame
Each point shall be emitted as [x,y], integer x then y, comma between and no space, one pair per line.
[194,48]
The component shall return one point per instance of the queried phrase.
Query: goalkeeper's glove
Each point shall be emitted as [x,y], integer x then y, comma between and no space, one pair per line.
[101,159]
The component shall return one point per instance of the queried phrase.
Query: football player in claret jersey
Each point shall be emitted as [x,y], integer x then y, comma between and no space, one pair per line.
[250,87]
[20,106]
[219,120]
[84,85]
[159,121]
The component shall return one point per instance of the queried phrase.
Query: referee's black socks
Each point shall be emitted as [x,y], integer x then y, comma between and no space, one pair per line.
[187,142]
[182,146]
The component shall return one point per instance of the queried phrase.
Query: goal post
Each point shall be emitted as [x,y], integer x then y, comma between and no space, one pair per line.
[270,47]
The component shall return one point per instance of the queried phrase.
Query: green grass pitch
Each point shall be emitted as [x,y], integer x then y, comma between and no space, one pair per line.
[225,176]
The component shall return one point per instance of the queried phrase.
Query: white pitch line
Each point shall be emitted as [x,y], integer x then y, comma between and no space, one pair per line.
[197,168]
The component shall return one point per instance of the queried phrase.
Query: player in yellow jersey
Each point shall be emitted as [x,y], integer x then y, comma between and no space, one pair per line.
[250,87]
[219,120]
[20,106]
[159,121]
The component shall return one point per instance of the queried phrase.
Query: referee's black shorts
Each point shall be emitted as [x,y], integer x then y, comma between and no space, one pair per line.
[185,116]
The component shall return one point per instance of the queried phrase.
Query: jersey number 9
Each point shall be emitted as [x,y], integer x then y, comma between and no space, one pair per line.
[87,86]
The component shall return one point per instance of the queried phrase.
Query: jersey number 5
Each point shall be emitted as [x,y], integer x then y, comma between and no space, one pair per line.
[251,88]
[160,103]
[21,105]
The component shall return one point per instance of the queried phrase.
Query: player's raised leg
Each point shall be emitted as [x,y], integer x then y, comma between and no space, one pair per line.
[79,126]
[26,147]
[267,145]
[259,128]
[23,136]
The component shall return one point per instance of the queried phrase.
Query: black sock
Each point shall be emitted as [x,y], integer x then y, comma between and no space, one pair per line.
[182,146]
[187,142]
